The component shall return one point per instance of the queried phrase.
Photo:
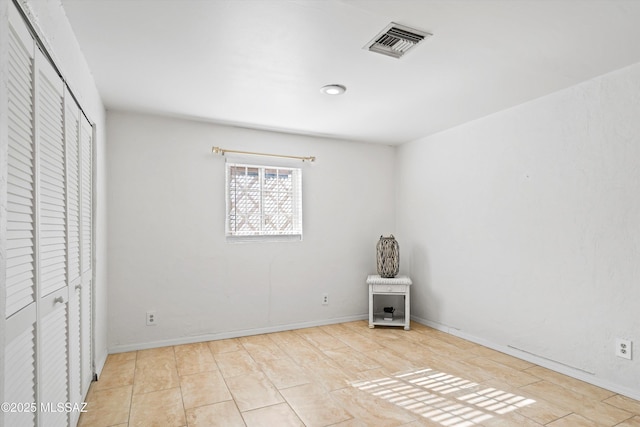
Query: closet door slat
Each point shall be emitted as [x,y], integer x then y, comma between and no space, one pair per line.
[20,375]
[52,180]
[53,367]
[20,290]
[86,189]
[72,137]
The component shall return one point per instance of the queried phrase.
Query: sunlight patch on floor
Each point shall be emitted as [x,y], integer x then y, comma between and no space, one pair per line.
[443,398]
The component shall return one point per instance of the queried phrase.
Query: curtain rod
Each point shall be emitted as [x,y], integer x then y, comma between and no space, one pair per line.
[223,151]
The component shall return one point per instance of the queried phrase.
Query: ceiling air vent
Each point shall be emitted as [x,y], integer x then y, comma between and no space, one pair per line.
[396,40]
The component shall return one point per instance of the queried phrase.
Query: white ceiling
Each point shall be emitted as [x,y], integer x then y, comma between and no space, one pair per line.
[261,63]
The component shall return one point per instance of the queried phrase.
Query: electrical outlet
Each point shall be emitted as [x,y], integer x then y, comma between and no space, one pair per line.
[325,299]
[623,348]
[152,319]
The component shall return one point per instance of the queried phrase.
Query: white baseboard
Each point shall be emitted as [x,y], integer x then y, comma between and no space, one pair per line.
[100,365]
[232,334]
[538,360]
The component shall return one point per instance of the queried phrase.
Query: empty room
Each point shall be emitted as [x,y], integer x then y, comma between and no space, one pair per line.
[320,213]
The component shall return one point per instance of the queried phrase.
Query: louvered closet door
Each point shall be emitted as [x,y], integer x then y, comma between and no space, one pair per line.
[20,310]
[86,244]
[20,290]
[52,239]
[72,136]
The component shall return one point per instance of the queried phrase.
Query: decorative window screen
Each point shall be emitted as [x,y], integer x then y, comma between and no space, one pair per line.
[263,200]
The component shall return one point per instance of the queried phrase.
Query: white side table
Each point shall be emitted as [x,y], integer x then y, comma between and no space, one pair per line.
[399,285]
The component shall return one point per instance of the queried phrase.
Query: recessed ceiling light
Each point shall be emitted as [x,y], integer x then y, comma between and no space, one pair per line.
[333,89]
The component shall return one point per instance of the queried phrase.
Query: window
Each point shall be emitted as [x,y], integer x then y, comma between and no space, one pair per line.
[263,201]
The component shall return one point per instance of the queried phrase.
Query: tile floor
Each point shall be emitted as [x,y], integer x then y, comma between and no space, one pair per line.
[344,375]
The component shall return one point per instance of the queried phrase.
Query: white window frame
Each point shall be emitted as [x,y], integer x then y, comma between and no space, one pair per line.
[262,195]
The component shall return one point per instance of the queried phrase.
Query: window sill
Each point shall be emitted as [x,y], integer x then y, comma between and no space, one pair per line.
[264,238]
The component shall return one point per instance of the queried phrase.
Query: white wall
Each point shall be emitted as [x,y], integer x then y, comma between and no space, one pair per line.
[522,229]
[53,27]
[167,249]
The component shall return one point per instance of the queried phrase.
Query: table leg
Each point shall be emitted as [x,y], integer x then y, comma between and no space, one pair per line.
[371,307]
[407,311]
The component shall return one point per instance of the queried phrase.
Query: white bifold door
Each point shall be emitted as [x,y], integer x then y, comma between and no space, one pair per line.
[48,360]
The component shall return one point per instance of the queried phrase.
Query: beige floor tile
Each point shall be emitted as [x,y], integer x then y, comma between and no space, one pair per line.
[320,339]
[431,396]
[593,410]
[453,413]
[107,407]
[328,374]
[572,384]
[379,333]
[412,335]
[236,363]
[252,391]
[422,423]
[498,404]
[372,410]
[121,357]
[543,412]
[501,358]
[371,375]
[286,338]
[194,358]
[294,344]
[443,348]
[625,403]
[631,422]
[284,373]
[469,371]
[204,388]
[538,410]
[509,420]
[350,423]
[573,420]
[413,351]
[359,342]
[314,405]
[459,369]
[303,353]
[391,361]
[223,414]
[155,373]
[270,416]
[262,347]
[225,346]
[336,329]
[513,377]
[116,373]
[351,360]
[157,353]
[157,408]
[444,337]
[417,327]
[357,325]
